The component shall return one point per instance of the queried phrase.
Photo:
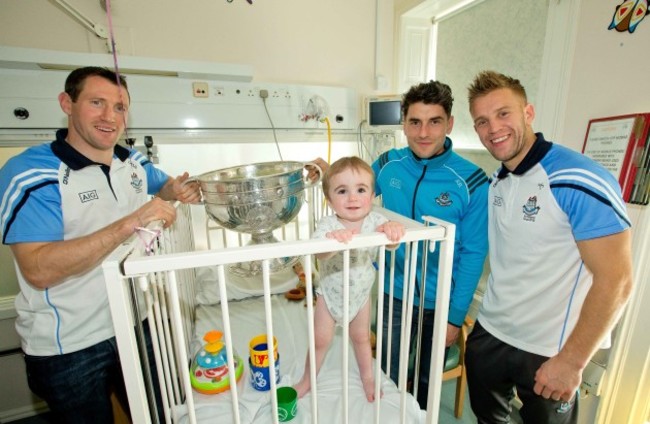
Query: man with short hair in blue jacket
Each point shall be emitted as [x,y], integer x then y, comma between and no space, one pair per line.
[429,178]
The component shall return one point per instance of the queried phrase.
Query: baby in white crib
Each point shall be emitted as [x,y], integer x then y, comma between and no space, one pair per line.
[348,185]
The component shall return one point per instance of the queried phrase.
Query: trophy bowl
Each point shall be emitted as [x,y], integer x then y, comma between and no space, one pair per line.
[256,199]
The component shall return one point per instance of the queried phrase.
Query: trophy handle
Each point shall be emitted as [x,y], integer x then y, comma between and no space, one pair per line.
[314,174]
[195,179]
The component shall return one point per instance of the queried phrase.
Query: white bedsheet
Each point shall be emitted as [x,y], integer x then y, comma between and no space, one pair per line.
[290,329]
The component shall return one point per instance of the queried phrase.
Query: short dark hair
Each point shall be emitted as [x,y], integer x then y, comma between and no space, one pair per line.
[354,163]
[487,81]
[430,93]
[74,84]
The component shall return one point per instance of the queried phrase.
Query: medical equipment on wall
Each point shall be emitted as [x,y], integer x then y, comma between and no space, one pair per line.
[381,127]
[318,110]
[384,112]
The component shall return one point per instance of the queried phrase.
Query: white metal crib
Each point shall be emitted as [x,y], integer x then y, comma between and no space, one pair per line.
[160,284]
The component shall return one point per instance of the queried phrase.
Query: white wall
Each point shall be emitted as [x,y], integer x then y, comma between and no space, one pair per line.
[609,71]
[608,76]
[297,41]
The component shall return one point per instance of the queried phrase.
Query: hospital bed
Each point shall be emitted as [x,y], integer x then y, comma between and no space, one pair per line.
[184,291]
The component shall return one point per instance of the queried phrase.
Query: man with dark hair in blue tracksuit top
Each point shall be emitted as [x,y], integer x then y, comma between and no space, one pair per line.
[429,178]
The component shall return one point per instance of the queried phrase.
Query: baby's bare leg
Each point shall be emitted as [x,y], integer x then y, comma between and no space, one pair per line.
[360,335]
[323,333]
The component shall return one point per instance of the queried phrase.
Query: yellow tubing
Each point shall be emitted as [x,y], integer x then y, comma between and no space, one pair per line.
[329,140]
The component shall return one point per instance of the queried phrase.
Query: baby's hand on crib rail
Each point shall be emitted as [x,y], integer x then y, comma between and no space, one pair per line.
[393,230]
[342,235]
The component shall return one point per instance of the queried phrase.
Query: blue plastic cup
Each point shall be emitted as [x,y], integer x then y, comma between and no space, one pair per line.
[259,376]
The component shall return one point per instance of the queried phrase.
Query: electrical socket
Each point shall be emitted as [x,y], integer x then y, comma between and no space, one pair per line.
[200,89]
[264,94]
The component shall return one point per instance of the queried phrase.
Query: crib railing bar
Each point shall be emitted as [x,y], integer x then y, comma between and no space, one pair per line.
[142,348]
[346,334]
[154,323]
[187,311]
[402,372]
[232,370]
[418,339]
[410,270]
[283,231]
[230,352]
[309,286]
[266,283]
[443,292]
[121,311]
[177,322]
[163,324]
[380,328]
[296,225]
[140,265]
[391,291]
[187,293]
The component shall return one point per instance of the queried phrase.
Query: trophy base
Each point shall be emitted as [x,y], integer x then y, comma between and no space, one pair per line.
[254,268]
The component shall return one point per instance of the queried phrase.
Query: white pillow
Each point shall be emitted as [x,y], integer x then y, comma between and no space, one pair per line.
[238,287]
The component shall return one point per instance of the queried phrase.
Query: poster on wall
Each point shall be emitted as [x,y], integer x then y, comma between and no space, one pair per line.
[621,145]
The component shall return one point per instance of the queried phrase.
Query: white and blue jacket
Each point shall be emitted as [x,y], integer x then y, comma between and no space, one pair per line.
[538,282]
[50,193]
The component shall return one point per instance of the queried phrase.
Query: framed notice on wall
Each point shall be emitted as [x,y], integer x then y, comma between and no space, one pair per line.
[621,145]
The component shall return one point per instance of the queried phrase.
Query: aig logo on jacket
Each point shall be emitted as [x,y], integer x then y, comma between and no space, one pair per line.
[87,196]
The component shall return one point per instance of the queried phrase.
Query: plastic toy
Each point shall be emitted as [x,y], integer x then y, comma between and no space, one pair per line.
[209,370]
[300,292]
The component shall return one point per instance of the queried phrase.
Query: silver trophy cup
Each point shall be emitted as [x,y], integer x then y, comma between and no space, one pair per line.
[256,199]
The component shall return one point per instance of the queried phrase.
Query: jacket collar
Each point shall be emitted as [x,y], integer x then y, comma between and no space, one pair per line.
[537,151]
[75,160]
[437,160]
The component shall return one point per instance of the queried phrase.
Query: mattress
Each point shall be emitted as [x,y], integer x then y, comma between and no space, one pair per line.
[247,317]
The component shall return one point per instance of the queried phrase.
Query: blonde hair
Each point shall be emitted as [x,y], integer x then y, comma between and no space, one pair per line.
[350,162]
[487,81]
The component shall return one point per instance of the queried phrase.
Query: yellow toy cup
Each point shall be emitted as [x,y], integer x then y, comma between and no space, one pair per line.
[259,351]
[287,403]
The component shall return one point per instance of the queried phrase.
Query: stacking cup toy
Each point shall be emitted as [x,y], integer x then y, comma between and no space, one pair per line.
[259,351]
[287,403]
[260,376]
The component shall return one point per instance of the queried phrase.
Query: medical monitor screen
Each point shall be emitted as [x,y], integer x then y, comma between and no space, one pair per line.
[384,112]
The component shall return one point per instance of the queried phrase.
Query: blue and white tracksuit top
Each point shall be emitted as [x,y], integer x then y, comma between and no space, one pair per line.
[447,187]
[50,193]
[538,282]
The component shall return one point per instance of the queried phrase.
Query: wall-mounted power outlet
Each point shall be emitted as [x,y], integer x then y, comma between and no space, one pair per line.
[200,89]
